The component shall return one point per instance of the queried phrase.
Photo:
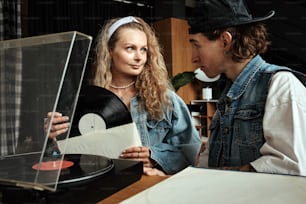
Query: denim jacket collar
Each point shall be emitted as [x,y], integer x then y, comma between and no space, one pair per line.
[244,78]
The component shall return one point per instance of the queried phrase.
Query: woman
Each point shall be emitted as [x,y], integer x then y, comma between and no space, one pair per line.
[130,64]
[260,118]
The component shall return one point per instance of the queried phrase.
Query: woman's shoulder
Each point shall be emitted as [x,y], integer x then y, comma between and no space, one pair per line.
[174,96]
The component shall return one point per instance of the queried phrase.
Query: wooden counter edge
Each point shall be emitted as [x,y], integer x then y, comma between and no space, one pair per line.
[143,183]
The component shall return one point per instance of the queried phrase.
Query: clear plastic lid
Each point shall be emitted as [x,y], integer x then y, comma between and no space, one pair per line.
[38,75]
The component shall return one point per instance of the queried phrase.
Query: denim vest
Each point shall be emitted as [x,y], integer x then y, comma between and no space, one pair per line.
[237,126]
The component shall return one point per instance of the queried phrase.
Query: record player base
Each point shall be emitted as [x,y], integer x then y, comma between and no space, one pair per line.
[124,173]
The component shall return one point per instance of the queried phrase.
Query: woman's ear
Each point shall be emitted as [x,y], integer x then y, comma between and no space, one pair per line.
[226,37]
[110,51]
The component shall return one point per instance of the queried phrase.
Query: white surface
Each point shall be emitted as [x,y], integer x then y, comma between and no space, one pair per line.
[197,185]
[109,143]
[200,75]
[207,93]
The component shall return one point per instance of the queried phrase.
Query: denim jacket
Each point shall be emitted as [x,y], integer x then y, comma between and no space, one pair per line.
[237,127]
[173,141]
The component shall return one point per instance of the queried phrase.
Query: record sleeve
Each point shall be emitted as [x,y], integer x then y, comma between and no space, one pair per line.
[98,108]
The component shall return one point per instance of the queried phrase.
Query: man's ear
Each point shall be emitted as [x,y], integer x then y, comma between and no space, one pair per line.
[226,37]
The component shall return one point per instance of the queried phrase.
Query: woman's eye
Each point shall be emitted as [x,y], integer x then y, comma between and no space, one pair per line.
[129,48]
[144,49]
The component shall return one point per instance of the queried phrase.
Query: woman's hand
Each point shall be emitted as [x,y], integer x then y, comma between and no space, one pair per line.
[153,172]
[59,126]
[139,154]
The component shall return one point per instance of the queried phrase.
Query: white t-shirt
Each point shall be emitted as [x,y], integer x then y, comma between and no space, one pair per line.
[284,125]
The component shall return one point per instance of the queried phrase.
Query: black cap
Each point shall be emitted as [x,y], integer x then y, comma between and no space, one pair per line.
[210,15]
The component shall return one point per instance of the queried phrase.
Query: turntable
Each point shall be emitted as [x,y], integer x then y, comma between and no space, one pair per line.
[89,179]
[50,72]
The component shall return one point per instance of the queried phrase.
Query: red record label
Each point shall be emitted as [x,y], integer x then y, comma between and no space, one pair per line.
[52,165]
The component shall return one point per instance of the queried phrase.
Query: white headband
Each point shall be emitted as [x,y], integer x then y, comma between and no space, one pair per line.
[119,23]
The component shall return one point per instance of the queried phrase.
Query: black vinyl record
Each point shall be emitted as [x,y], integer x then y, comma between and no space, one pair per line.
[98,108]
[84,168]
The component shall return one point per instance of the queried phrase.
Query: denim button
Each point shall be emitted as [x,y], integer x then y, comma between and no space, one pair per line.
[225,130]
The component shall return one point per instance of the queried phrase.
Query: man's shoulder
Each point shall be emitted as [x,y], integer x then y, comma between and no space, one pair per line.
[291,73]
[273,70]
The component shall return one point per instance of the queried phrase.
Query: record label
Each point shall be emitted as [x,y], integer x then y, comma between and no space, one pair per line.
[91,122]
[52,165]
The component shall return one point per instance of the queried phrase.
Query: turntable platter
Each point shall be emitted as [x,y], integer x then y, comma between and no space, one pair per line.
[82,168]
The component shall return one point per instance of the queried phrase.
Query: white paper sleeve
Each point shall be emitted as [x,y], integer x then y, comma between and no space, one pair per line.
[109,142]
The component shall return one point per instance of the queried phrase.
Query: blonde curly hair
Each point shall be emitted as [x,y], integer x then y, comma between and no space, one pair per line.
[152,84]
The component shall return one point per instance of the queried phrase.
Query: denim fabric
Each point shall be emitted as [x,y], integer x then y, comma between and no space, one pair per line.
[237,127]
[173,141]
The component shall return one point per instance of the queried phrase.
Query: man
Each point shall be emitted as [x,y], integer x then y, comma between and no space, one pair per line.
[260,120]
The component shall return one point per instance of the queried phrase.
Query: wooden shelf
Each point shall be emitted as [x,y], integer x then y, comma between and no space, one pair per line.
[207,109]
[173,36]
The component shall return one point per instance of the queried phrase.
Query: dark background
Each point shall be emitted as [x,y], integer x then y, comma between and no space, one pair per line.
[287,28]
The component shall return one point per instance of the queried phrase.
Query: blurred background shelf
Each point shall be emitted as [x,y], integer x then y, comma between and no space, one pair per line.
[202,111]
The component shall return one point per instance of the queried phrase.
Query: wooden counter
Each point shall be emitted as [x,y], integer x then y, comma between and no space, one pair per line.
[140,185]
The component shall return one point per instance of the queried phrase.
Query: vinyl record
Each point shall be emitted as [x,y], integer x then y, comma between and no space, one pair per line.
[83,168]
[98,108]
